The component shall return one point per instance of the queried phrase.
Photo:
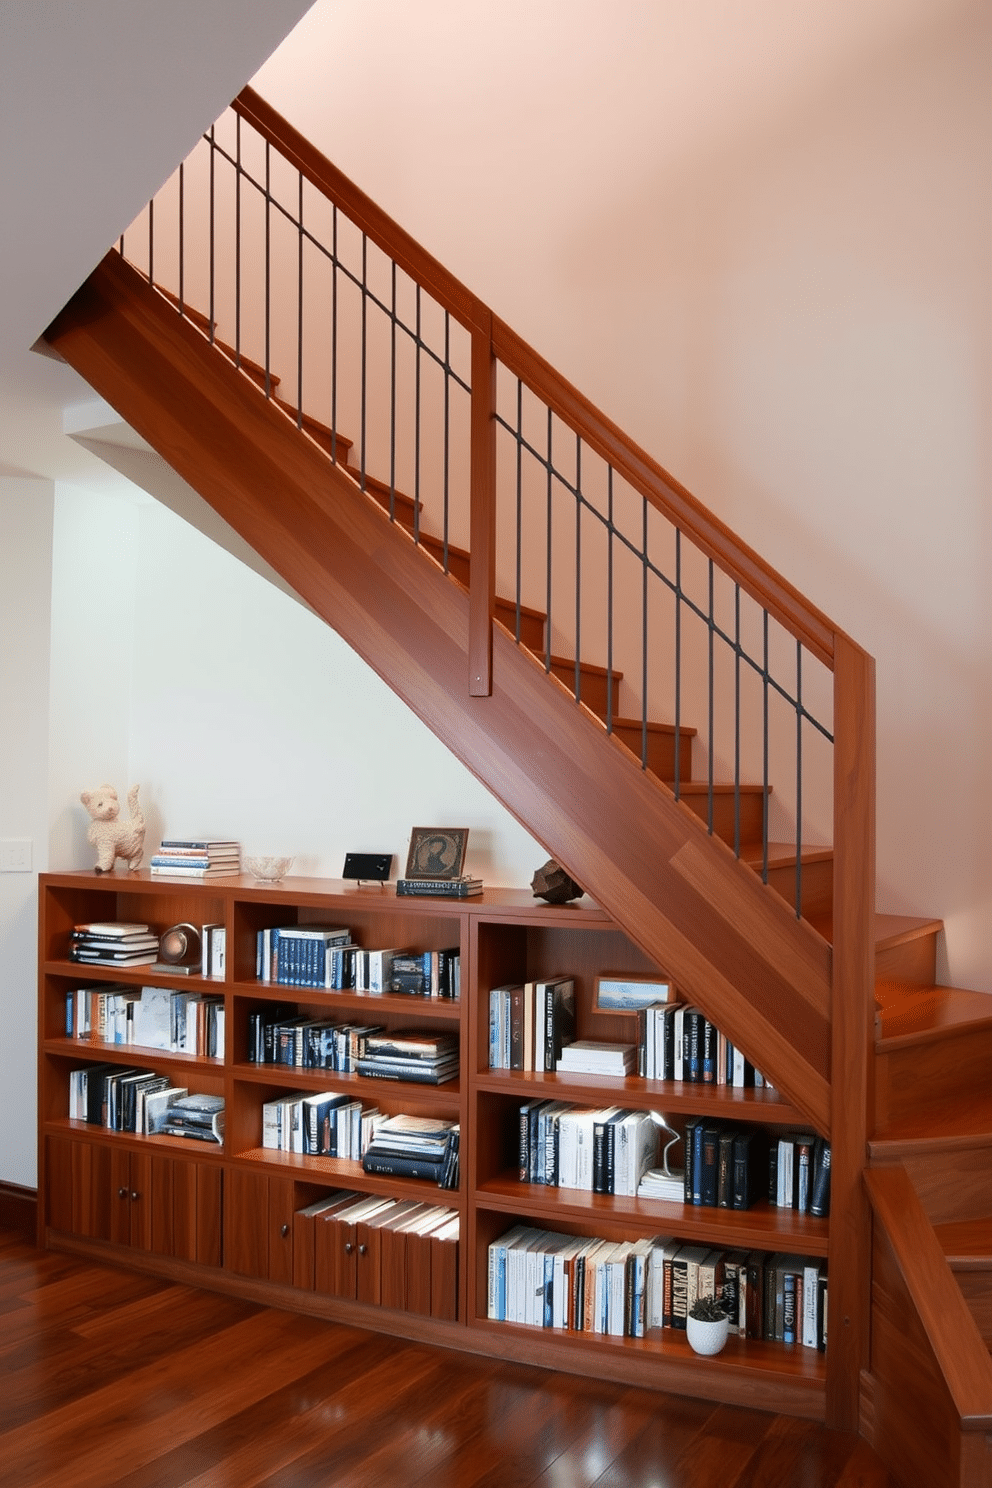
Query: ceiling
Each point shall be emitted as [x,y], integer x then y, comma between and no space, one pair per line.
[98,103]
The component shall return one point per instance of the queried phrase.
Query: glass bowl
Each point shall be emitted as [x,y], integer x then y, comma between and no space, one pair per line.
[268,868]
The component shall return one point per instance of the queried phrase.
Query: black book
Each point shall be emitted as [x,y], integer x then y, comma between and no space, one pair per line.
[709,1167]
[819,1199]
[397,1165]
[725,1169]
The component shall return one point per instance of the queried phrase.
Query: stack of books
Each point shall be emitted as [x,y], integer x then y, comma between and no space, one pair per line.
[415,1147]
[658,1183]
[590,1057]
[113,943]
[440,888]
[198,1116]
[423,1058]
[196,857]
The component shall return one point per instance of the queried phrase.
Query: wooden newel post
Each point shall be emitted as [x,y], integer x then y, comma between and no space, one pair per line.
[482,582]
[853,1022]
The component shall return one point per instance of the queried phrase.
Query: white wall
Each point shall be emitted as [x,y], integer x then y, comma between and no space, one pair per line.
[251,719]
[25,608]
[758,237]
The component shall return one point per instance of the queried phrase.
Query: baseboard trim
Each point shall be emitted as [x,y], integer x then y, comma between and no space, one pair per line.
[19,1209]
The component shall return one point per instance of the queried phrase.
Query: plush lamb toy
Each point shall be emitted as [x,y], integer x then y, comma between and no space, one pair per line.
[114,839]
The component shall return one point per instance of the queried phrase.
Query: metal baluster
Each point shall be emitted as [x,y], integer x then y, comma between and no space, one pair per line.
[712,708]
[182,244]
[737,720]
[151,241]
[299,312]
[334,334]
[799,779]
[678,663]
[364,412]
[644,635]
[765,680]
[416,421]
[268,270]
[447,430]
[578,568]
[213,228]
[520,495]
[392,402]
[609,595]
[237,244]
[547,632]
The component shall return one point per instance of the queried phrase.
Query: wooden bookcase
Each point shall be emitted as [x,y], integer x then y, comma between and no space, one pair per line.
[229,1217]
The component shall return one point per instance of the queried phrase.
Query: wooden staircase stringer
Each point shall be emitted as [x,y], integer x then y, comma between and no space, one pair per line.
[728,940]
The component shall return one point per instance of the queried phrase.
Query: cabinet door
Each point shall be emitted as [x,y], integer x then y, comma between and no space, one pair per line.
[258,1225]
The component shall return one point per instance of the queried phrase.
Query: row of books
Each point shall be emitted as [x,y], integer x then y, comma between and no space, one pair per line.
[398,1253]
[632,1288]
[143,1102]
[321,1123]
[729,1166]
[415,1147]
[290,1039]
[326,958]
[605,1150]
[678,1042]
[195,857]
[530,1023]
[151,1017]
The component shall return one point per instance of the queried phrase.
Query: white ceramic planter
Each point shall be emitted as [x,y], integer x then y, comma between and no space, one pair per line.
[707,1338]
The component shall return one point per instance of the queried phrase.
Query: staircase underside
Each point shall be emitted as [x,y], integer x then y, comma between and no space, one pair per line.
[727,939]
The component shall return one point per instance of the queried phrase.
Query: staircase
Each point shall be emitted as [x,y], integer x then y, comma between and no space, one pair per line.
[774,939]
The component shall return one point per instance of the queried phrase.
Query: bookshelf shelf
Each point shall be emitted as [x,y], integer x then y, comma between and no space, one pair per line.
[248,1211]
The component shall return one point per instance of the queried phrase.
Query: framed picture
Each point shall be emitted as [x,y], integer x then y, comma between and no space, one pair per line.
[626,992]
[437,852]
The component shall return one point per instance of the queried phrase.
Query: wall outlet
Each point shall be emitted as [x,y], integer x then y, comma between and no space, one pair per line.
[15,855]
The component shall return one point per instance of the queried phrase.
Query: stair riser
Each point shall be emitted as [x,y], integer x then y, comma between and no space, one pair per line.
[923,1079]
[913,961]
[954,1183]
[816,886]
[595,688]
[751,807]
[660,750]
[976,1288]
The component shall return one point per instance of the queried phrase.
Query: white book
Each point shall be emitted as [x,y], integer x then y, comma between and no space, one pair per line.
[811,1281]
[153,1018]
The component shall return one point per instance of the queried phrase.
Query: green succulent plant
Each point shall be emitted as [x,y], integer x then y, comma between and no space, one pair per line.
[707,1310]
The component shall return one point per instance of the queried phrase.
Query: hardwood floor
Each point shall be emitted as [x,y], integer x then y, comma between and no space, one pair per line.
[111,1379]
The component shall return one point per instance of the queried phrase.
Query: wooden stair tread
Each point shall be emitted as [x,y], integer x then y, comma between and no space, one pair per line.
[963,1125]
[967,1243]
[914,1013]
[590,668]
[322,432]
[653,728]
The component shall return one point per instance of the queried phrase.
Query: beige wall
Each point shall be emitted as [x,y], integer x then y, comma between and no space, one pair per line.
[759,238]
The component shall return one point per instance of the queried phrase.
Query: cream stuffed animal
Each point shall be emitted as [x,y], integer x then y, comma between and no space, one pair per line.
[114,839]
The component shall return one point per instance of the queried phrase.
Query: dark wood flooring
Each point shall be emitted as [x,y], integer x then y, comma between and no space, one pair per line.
[111,1379]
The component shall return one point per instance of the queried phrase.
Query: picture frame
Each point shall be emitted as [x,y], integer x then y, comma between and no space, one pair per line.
[437,852]
[629,992]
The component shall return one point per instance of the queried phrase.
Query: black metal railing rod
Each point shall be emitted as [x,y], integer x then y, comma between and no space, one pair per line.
[182,245]
[610,721]
[638,553]
[578,569]
[519,511]
[237,248]
[364,384]
[765,776]
[392,395]
[213,237]
[334,335]
[799,785]
[151,241]
[737,722]
[645,631]
[299,315]
[678,663]
[446,472]
[711,749]
[548,541]
[416,421]
[268,271]
[356,280]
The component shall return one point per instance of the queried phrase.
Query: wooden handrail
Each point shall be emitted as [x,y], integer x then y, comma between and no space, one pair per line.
[952,1332]
[756,577]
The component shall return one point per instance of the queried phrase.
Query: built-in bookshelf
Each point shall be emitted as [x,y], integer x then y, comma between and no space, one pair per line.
[302,1226]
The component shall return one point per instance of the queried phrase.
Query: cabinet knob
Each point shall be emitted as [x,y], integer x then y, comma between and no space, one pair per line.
[348,1247]
[135,1196]
[363,1250]
[122,1193]
[284,1231]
